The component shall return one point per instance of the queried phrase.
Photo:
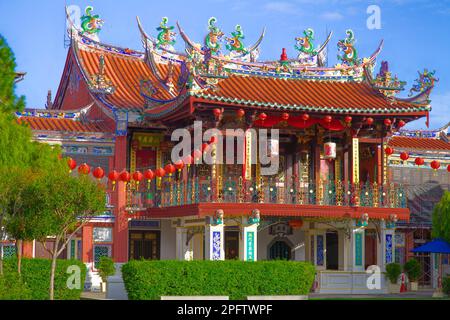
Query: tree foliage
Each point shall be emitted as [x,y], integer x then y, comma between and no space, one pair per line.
[441,218]
[9,102]
[63,213]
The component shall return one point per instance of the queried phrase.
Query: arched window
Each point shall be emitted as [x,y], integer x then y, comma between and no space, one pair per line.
[280,250]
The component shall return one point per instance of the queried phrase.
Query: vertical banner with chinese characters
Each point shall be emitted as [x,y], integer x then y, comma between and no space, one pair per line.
[216,245]
[358,249]
[355,160]
[248,156]
[389,249]
[250,246]
[320,250]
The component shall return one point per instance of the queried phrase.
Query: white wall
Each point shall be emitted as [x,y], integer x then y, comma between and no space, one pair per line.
[168,241]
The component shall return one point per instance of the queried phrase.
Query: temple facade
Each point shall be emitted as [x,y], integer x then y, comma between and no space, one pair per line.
[287,158]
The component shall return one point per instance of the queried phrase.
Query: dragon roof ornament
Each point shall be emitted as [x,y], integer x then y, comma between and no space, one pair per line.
[166,35]
[348,53]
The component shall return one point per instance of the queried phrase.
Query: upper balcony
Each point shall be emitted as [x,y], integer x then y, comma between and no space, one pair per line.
[174,193]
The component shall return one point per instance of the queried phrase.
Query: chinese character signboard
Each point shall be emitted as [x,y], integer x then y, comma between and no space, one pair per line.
[250,246]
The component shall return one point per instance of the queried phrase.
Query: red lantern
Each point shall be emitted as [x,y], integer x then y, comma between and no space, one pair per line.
[125,176]
[240,113]
[296,224]
[169,168]
[262,116]
[217,112]
[389,151]
[285,116]
[138,176]
[149,175]
[160,172]
[205,147]
[348,120]
[435,165]
[401,123]
[305,117]
[369,121]
[113,176]
[179,165]
[387,122]
[419,161]
[404,156]
[448,168]
[84,169]
[71,163]
[213,140]
[98,173]
[327,119]
[188,160]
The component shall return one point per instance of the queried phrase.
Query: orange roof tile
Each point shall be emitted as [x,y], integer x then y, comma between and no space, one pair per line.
[58,124]
[125,72]
[331,96]
[418,143]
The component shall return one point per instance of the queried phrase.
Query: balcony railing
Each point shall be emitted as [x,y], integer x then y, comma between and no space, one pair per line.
[172,192]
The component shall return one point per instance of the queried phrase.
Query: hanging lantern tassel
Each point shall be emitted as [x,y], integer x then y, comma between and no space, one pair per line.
[149,175]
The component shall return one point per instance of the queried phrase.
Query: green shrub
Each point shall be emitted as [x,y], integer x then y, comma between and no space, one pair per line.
[12,287]
[446,284]
[36,277]
[413,269]
[393,271]
[106,268]
[149,280]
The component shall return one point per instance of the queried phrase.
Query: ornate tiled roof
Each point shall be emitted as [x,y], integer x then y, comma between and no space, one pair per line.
[63,125]
[160,80]
[419,143]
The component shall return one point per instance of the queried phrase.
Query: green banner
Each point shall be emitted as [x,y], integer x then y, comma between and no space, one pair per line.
[250,246]
[358,249]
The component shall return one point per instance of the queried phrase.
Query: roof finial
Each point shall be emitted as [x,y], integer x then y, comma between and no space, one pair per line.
[283,57]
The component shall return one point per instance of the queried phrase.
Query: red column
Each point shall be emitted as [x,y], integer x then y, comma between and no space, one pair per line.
[379,165]
[120,232]
[87,244]
[27,249]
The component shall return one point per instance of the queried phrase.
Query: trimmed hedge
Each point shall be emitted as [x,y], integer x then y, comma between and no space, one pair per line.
[446,284]
[34,282]
[149,280]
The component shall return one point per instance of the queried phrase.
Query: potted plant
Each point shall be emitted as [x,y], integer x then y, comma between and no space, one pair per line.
[393,271]
[105,269]
[413,270]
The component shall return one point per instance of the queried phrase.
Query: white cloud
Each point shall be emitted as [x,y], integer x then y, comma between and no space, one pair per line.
[279,6]
[332,16]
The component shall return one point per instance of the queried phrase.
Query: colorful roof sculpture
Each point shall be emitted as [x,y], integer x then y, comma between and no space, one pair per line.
[160,81]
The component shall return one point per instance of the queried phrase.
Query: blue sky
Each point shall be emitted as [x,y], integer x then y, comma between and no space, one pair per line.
[415,33]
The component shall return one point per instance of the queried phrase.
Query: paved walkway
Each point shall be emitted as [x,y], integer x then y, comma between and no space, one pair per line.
[418,295]
[89,295]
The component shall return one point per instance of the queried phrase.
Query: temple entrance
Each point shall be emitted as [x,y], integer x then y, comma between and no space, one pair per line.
[145,245]
[280,250]
[332,253]
[370,248]
[231,244]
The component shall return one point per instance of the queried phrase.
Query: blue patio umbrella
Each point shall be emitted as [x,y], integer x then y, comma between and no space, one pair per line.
[438,246]
[435,246]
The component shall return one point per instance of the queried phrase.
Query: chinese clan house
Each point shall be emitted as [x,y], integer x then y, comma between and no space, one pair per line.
[117,108]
